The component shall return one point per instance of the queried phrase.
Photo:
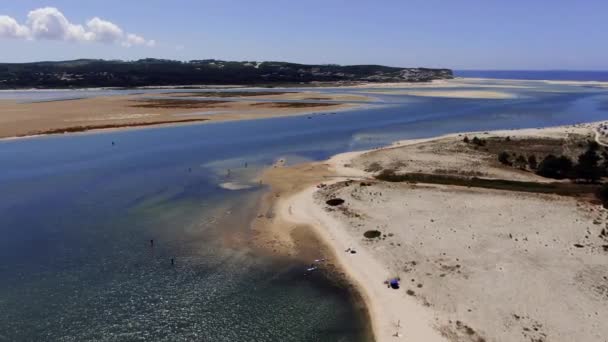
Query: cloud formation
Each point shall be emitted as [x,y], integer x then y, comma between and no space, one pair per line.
[49,23]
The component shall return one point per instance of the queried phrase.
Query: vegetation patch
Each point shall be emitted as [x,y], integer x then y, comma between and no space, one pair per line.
[559,188]
[372,234]
[335,201]
[373,167]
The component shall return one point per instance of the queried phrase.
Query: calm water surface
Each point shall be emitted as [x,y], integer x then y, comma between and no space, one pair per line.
[77,214]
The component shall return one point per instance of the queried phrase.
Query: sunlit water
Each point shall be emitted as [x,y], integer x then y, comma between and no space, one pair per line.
[77,214]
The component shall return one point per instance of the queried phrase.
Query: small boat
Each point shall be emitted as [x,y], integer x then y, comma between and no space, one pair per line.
[310,269]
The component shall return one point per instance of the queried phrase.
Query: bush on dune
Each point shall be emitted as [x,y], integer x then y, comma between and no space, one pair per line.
[555,167]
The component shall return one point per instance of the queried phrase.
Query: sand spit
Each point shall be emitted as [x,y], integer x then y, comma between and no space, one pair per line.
[452,83]
[475,264]
[461,94]
[598,84]
[114,112]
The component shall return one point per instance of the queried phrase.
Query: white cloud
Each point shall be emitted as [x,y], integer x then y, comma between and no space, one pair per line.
[135,40]
[48,23]
[104,31]
[10,28]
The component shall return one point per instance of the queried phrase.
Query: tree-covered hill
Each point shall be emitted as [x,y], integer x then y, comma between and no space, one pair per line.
[159,72]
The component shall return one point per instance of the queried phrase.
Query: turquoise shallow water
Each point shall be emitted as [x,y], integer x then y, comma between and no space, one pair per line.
[77,214]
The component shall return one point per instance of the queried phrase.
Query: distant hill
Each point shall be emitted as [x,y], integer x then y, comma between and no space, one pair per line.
[159,72]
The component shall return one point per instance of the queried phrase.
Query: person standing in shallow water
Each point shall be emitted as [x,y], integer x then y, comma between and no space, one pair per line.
[151,243]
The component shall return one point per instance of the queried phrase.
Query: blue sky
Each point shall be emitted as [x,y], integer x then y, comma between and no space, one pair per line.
[464,34]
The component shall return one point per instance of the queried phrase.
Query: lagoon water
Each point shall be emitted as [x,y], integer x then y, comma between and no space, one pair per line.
[77,214]
[556,75]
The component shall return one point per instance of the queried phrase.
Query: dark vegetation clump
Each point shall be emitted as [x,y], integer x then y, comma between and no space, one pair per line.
[555,167]
[334,202]
[602,194]
[478,142]
[587,169]
[373,167]
[521,162]
[559,188]
[388,175]
[532,163]
[372,234]
[475,141]
[504,158]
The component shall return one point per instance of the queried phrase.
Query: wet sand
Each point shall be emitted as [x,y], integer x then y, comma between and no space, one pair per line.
[475,264]
[115,112]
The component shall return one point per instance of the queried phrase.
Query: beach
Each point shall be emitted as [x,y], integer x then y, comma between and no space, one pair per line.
[475,263]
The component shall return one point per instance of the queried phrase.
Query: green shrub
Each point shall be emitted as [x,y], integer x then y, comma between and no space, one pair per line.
[532,163]
[504,158]
[372,234]
[521,162]
[478,142]
[588,168]
[555,167]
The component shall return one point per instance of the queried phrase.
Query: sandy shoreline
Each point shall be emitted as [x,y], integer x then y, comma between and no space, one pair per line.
[458,304]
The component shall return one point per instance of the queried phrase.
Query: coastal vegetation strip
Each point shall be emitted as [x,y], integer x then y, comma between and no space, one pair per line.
[558,188]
